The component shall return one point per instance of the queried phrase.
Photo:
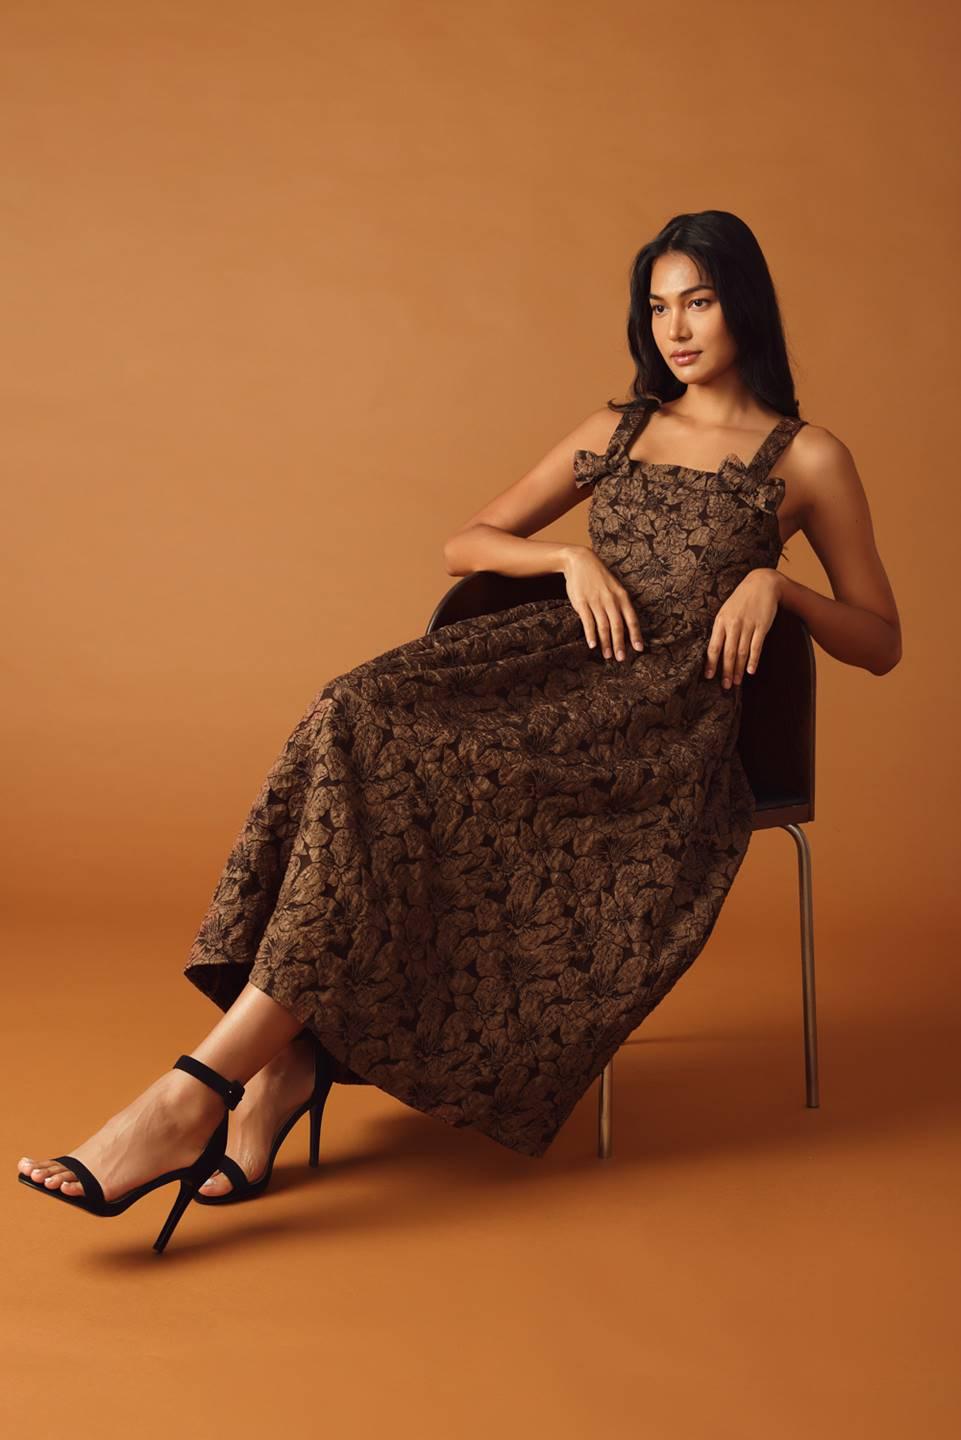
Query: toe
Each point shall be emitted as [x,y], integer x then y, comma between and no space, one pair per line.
[39,1169]
[216,1184]
[58,1175]
[65,1180]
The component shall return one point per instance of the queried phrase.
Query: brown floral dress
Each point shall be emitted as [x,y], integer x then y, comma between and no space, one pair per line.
[484,856]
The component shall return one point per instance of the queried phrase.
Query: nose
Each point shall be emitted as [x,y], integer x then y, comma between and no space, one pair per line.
[679,330]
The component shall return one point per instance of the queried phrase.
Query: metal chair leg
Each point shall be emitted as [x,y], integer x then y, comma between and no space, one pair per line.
[807,965]
[604,1111]
[605,1119]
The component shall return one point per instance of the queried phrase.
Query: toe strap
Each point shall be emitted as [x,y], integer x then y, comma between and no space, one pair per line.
[234,1174]
[89,1181]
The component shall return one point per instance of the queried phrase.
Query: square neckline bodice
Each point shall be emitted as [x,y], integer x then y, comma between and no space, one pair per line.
[633,423]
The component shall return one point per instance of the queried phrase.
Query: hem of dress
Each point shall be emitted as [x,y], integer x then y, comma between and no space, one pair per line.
[222,982]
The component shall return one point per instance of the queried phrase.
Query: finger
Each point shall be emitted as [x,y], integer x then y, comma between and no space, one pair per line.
[730,652]
[616,620]
[743,650]
[603,630]
[633,624]
[587,620]
[714,648]
[755,654]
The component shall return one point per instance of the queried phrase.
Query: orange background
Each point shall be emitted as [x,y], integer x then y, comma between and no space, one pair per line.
[289,293]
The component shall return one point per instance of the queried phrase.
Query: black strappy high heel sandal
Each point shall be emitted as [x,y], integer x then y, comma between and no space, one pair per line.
[191,1177]
[244,1189]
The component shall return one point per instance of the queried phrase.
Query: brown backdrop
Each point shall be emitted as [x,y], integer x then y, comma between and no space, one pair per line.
[289,292]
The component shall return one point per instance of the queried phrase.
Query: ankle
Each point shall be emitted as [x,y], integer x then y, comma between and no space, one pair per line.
[291,1057]
[193,1099]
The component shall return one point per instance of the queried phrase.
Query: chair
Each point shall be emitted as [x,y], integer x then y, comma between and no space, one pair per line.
[775,743]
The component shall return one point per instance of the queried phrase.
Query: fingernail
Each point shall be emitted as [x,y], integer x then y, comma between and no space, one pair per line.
[620,654]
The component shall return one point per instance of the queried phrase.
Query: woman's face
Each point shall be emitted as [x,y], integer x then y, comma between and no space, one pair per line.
[686,315]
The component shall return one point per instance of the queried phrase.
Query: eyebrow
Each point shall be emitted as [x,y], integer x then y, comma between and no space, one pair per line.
[689,291]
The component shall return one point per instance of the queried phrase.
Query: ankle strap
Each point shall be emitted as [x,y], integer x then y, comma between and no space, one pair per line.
[231,1090]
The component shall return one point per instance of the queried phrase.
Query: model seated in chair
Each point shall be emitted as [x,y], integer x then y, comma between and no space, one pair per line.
[485,855]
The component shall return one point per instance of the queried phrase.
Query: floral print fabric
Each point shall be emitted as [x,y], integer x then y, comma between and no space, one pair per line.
[484,856]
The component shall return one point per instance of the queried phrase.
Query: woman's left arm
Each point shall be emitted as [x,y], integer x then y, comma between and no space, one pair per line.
[860,625]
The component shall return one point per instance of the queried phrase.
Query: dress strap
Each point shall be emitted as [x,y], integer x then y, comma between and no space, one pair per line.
[771,447]
[628,427]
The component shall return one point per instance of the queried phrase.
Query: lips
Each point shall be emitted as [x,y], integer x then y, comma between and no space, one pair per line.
[684,354]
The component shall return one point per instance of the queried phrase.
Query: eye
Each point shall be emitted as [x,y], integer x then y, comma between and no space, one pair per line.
[698,300]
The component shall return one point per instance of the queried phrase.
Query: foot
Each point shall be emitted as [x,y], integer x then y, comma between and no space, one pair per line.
[270,1098]
[166,1127]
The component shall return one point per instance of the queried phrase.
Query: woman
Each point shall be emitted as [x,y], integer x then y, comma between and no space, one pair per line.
[484,856]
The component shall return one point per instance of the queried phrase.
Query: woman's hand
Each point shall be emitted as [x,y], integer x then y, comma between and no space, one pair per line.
[742,623]
[601,601]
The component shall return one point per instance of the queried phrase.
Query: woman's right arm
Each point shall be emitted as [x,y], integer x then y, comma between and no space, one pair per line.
[497,538]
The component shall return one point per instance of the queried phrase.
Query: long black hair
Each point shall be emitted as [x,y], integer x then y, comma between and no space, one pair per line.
[729,257]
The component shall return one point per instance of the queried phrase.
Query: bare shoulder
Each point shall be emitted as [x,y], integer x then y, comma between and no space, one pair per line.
[550,487]
[819,469]
[835,517]
[816,445]
[596,429]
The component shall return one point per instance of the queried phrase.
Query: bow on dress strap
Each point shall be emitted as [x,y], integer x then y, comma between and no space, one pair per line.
[742,480]
[589,467]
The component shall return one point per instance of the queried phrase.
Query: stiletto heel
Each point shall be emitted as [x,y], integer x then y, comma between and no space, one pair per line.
[315,1113]
[191,1177]
[179,1206]
[244,1189]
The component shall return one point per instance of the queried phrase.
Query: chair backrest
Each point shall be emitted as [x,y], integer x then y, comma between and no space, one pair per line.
[776,738]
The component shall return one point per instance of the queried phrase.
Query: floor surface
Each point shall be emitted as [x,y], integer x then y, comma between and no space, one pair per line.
[742,1266]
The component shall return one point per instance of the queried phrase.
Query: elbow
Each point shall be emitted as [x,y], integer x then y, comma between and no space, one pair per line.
[893,657]
[451,563]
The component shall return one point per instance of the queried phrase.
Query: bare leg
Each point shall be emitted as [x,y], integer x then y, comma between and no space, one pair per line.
[248,1035]
[169,1123]
[275,1093]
